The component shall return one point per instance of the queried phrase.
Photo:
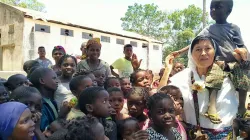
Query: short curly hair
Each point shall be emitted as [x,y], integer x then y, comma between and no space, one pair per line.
[140,91]
[133,76]
[154,99]
[81,128]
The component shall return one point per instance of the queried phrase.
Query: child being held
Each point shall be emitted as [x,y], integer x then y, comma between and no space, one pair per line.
[231,56]
[116,100]
[95,101]
[162,113]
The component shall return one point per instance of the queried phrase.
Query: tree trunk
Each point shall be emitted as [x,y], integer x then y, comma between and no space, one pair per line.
[204,14]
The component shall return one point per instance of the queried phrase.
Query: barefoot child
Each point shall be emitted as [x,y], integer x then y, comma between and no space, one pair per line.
[162,113]
[231,55]
[116,100]
[95,101]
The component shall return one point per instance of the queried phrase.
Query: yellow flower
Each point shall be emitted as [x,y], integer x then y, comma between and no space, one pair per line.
[198,85]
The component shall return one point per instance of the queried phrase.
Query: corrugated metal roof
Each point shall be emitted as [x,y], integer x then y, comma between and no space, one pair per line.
[47,18]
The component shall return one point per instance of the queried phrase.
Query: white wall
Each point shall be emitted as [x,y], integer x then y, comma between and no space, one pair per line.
[109,53]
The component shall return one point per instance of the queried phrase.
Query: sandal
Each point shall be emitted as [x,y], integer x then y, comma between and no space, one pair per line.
[214,118]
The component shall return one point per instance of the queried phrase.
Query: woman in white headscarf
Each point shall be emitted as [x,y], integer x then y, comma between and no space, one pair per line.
[192,83]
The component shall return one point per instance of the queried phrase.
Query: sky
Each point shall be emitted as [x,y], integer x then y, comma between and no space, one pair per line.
[107,13]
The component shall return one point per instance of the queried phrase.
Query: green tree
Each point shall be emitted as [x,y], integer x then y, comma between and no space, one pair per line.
[29,4]
[145,19]
[183,26]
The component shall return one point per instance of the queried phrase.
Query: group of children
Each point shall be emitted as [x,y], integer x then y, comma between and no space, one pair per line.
[97,107]
[83,102]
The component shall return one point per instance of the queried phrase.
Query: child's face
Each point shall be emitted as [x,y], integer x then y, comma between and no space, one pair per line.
[114,83]
[130,127]
[142,79]
[219,11]
[92,77]
[50,80]
[125,85]
[25,127]
[178,67]
[4,95]
[93,51]
[178,101]
[116,100]
[99,132]
[68,67]
[163,114]
[101,107]
[100,78]
[21,80]
[85,83]
[34,102]
[41,52]
[128,51]
[57,55]
[136,105]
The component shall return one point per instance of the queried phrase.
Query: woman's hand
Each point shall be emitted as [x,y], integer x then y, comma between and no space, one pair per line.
[135,63]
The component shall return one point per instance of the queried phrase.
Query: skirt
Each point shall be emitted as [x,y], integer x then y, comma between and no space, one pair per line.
[213,134]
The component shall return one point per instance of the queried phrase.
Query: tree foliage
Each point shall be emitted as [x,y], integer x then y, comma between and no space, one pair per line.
[183,25]
[145,19]
[29,4]
[176,29]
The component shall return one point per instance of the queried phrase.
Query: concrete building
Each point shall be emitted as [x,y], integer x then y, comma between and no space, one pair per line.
[22,31]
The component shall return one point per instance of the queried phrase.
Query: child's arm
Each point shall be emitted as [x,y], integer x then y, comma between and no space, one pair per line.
[181,51]
[168,68]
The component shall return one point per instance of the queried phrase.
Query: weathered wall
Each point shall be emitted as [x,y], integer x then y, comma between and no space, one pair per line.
[110,51]
[11,26]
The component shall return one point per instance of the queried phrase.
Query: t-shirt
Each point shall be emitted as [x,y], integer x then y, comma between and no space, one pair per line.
[103,66]
[74,113]
[123,66]
[227,37]
[45,63]
[63,94]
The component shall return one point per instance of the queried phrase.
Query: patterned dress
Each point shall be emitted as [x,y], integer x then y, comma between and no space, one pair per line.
[153,135]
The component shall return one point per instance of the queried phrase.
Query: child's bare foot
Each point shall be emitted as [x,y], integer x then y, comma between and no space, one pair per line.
[212,111]
[242,52]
